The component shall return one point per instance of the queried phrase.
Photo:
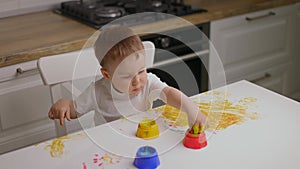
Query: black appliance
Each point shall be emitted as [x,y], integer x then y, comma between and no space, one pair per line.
[176,63]
[97,13]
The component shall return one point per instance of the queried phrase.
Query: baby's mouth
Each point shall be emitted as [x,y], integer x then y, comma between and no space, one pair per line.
[137,89]
[135,92]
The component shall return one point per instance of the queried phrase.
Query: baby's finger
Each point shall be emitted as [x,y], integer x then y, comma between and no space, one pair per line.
[50,115]
[68,116]
[61,118]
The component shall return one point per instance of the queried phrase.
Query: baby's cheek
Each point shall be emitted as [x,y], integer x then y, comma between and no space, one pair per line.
[144,79]
[122,85]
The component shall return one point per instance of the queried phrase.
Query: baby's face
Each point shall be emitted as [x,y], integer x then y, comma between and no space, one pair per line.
[130,76]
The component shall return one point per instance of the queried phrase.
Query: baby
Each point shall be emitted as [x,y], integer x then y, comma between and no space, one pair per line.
[126,86]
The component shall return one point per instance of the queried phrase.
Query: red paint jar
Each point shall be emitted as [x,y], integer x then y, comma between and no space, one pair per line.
[195,141]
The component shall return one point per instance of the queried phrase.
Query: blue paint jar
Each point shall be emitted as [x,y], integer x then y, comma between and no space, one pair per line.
[146,158]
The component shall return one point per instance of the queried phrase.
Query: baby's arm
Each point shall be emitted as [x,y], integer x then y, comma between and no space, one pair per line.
[179,100]
[63,108]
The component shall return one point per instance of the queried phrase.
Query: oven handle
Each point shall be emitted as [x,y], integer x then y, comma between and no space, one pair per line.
[181,58]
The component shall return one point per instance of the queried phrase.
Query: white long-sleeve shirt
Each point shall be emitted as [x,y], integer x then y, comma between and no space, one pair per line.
[109,104]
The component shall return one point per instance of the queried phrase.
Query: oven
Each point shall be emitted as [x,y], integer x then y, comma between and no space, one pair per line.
[181,58]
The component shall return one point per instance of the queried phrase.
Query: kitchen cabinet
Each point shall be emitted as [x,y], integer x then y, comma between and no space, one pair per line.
[24,102]
[259,47]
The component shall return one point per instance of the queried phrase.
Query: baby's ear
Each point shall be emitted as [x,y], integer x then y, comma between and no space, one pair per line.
[105,74]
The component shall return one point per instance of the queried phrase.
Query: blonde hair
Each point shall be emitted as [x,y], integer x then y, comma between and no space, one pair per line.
[116,43]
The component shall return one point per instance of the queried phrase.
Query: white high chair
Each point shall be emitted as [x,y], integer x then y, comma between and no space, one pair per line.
[59,71]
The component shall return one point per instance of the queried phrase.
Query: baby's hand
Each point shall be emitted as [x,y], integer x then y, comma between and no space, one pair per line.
[60,110]
[201,120]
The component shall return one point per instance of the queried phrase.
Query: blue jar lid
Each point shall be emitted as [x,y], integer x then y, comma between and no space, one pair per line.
[146,151]
[146,158]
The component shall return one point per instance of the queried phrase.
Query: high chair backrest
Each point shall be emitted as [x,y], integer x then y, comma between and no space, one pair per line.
[59,70]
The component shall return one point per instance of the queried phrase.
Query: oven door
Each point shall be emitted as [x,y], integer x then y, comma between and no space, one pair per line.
[181,58]
[186,73]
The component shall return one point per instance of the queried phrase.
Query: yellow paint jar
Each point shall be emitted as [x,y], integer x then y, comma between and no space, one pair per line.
[147,129]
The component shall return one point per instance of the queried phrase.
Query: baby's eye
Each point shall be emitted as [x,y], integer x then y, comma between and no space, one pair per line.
[126,77]
[142,71]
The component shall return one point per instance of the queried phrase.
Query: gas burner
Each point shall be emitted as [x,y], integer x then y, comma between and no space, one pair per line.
[90,6]
[97,13]
[156,4]
[110,12]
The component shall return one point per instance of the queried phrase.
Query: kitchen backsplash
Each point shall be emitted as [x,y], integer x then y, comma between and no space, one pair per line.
[18,7]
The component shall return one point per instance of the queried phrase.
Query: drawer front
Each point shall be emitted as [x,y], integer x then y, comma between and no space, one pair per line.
[272,78]
[239,41]
[252,43]
[18,71]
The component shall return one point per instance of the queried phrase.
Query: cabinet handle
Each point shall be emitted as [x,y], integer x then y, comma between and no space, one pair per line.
[261,16]
[21,71]
[181,58]
[265,76]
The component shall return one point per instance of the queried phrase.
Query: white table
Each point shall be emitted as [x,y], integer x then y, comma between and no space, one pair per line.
[272,141]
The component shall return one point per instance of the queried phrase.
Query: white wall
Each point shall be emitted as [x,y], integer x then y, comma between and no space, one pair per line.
[17,7]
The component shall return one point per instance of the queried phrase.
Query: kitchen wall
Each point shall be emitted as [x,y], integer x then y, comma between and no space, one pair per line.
[17,7]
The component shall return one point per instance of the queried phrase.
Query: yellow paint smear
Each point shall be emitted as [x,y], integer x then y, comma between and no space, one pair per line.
[105,160]
[110,159]
[175,117]
[221,113]
[57,145]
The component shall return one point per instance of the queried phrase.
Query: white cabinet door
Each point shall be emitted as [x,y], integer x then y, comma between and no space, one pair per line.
[251,43]
[272,78]
[24,102]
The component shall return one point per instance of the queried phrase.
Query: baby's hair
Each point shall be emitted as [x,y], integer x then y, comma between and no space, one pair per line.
[116,43]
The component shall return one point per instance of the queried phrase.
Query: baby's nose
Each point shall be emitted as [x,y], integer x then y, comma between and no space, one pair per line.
[135,80]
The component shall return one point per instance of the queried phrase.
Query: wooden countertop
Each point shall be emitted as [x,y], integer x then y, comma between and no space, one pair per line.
[31,36]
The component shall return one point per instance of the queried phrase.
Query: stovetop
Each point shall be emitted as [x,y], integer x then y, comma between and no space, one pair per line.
[97,13]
